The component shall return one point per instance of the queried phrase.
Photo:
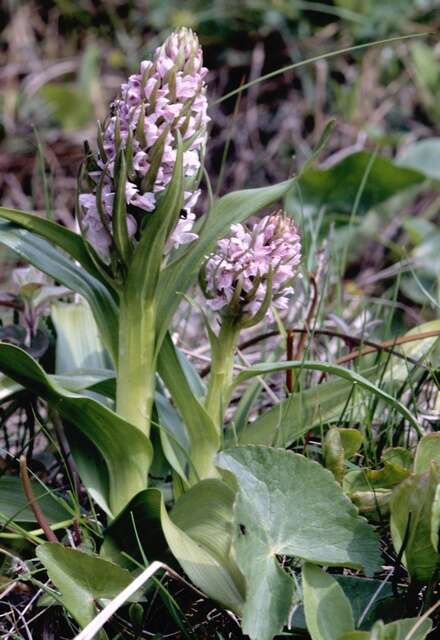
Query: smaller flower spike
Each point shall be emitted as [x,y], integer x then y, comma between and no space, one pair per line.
[252,269]
[166,96]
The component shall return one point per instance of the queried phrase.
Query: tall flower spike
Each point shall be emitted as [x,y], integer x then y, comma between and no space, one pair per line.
[253,268]
[167,95]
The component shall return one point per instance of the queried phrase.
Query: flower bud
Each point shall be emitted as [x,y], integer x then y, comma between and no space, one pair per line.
[252,269]
[166,96]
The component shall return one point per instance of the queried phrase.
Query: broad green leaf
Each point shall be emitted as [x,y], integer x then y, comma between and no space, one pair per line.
[78,344]
[355,635]
[289,505]
[14,505]
[337,188]
[299,413]
[201,430]
[400,629]
[327,608]
[355,378]
[423,156]
[364,594]
[411,517]
[181,273]
[117,440]
[428,451]
[102,381]
[199,534]
[55,263]
[83,579]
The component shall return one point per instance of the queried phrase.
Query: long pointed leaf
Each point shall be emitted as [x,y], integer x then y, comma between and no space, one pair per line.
[332,369]
[71,242]
[126,451]
[201,430]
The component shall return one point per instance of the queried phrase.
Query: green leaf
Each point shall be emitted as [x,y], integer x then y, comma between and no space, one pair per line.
[424,350]
[201,430]
[398,456]
[423,156]
[173,437]
[327,608]
[137,531]
[82,579]
[435,520]
[337,188]
[355,378]
[53,262]
[364,594]
[119,210]
[199,534]
[299,413]
[180,274]
[72,243]
[411,513]
[78,344]
[14,505]
[92,467]
[117,440]
[400,629]
[7,388]
[370,489]
[339,445]
[289,505]
[428,451]
[143,274]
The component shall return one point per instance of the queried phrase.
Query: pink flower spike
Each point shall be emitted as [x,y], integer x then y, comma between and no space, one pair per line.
[236,277]
[166,95]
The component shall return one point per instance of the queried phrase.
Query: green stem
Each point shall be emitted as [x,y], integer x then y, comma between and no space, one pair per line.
[136,362]
[220,378]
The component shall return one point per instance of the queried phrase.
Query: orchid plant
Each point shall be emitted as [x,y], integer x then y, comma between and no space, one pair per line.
[139,250]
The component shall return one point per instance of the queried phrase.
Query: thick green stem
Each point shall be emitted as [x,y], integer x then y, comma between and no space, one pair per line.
[136,361]
[221,371]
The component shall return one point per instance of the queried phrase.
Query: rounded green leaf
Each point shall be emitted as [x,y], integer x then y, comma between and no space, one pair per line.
[82,579]
[289,505]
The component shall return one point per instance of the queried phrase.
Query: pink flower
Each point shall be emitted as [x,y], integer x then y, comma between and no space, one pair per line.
[236,277]
[167,95]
